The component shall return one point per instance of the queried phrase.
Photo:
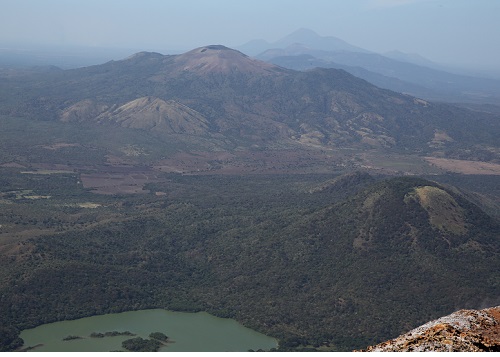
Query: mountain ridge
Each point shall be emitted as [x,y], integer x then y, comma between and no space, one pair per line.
[437,82]
[250,102]
[302,36]
[312,39]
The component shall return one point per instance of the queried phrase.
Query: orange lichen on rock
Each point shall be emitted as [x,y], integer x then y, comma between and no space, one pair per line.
[464,331]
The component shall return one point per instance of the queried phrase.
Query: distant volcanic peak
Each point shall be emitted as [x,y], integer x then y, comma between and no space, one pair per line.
[221,59]
[214,49]
[145,54]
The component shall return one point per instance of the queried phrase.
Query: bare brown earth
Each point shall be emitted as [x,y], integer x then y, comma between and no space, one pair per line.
[465,167]
[116,180]
[108,183]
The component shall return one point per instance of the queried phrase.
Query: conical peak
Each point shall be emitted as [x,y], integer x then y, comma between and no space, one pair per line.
[219,58]
[215,51]
[215,48]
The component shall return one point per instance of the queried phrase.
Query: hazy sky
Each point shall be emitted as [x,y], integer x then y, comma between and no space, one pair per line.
[465,32]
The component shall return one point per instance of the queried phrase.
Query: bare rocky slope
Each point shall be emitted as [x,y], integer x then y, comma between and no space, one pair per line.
[462,331]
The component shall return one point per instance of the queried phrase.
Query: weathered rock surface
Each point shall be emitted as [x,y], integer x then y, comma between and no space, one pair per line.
[462,331]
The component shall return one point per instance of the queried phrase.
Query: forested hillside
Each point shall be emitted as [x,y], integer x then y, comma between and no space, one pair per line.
[312,261]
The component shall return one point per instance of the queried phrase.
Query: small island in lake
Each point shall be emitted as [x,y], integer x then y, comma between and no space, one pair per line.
[139,344]
[158,336]
[72,337]
[111,334]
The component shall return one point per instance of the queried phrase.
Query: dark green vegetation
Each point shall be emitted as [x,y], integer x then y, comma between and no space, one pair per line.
[282,242]
[139,344]
[110,334]
[311,260]
[71,338]
[9,338]
[160,336]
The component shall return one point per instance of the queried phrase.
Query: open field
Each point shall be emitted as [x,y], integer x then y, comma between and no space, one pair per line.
[109,183]
[465,167]
[254,162]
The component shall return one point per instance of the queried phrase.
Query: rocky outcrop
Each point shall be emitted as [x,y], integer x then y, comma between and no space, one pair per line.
[462,331]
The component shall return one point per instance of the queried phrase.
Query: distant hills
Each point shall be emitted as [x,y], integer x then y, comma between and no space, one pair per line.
[397,71]
[21,56]
[301,36]
[217,92]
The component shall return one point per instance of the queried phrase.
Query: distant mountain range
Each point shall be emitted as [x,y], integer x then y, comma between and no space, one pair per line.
[302,36]
[397,71]
[233,100]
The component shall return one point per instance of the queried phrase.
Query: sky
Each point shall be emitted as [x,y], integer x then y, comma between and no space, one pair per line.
[458,32]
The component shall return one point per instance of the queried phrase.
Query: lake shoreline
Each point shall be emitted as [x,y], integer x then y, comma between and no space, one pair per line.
[192,332]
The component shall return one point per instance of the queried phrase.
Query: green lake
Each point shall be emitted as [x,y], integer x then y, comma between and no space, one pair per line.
[187,332]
